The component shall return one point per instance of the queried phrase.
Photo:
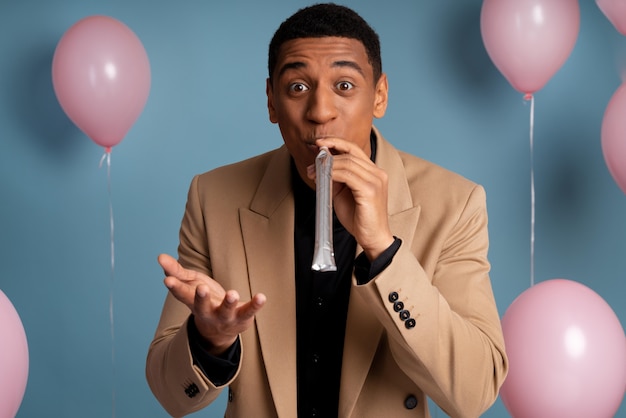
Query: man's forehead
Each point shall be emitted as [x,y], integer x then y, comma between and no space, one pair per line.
[335,51]
[329,44]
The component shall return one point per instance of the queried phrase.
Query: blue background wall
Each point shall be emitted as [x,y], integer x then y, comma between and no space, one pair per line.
[207,107]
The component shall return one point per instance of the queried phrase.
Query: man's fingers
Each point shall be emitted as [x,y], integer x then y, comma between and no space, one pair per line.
[231,310]
[226,311]
[259,300]
[341,146]
[170,266]
[180,290]
[207,302]
[221,320]
[251,308]
[202,301]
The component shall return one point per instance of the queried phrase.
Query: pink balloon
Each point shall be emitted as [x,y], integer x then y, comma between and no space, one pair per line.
[614,136]
[529,40]
[615,11]
[101,77]
[13,359]
[567,353]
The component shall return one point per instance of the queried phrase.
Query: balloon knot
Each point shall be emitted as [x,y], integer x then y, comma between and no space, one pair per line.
[528,96]
[107,150]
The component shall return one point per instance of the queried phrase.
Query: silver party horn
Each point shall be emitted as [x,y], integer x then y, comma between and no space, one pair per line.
[324,254]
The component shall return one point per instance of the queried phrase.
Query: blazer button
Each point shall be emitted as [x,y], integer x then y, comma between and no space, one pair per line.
[409,323]
[398,306]
[410,402]
[192,390]
[404,315]
[393,296]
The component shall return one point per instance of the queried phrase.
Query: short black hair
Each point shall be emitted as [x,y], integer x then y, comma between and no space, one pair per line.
[322,20]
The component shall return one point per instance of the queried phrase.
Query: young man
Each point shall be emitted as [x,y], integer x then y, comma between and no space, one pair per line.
[409,313]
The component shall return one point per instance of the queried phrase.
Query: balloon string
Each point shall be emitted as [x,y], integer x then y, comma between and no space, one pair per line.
[107,157]
[532,189]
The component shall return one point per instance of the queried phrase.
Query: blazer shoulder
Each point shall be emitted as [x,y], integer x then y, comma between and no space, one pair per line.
[421,175]
[243,176]
[425,175]
[250,167]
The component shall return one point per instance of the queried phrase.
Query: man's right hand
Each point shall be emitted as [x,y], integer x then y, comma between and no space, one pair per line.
[219,315]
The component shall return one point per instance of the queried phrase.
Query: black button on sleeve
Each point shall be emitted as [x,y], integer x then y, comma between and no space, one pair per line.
[398,306]
[404,315]
[410,402]
[393,296]
[409,323]
[191,389]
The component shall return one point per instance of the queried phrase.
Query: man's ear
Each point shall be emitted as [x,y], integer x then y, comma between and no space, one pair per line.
[381,96]
[270,101]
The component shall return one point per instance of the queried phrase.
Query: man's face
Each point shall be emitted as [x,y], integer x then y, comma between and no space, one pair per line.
[324,87]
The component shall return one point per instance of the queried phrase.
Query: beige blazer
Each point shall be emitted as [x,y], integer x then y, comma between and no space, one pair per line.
[238,227]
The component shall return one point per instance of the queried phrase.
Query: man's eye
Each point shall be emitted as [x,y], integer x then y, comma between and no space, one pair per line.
[298,87]
[345,85]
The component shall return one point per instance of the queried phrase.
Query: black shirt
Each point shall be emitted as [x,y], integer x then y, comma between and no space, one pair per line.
[321,308]
[321,305]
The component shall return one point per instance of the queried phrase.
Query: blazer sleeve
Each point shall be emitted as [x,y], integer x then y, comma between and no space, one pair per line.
[177,383]
[445,334]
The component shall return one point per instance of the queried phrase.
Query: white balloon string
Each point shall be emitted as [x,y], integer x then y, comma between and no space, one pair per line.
[532,190]
[107,157]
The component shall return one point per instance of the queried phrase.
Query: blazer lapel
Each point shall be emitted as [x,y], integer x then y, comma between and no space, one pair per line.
[363,329]
[267,229]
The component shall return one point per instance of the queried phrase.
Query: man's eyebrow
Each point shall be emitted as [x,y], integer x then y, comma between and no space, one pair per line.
[350,64]
[299,64]
[291,65]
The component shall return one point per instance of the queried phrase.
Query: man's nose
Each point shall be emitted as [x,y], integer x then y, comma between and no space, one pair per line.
[322,106]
